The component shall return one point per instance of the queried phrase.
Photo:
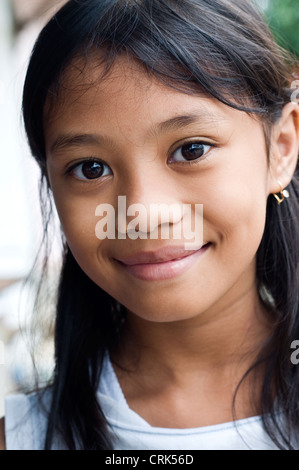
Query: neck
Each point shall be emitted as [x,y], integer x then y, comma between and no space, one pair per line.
[200,360]
[214,339]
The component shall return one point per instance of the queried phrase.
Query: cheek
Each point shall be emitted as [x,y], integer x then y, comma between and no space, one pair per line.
[240,226]
[234,203]
[78,222]
[241,223]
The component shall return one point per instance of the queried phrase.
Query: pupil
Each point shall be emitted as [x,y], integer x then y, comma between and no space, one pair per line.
[192,151]
[92,170]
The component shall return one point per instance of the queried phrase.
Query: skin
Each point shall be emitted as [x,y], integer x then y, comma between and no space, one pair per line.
[195,335]
[138,159]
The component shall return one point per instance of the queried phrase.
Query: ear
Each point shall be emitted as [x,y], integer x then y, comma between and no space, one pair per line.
[284,148]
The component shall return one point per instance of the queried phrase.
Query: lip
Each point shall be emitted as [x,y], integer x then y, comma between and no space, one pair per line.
[165,263]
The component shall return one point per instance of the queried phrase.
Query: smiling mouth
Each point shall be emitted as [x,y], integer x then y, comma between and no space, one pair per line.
[166,263]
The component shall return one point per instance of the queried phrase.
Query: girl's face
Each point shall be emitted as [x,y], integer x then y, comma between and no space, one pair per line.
[130,135]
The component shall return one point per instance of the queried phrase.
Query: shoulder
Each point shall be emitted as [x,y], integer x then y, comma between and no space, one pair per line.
[26,419]
[2,434]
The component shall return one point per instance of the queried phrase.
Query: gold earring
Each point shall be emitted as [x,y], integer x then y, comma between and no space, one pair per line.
[282,195]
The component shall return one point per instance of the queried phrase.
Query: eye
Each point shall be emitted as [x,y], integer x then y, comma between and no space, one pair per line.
[90,170]
[190,151]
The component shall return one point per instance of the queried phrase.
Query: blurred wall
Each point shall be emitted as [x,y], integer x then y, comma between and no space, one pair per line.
[20,221]
[20,22]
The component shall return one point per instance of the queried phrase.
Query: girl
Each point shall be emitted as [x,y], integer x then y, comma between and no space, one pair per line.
[158,346]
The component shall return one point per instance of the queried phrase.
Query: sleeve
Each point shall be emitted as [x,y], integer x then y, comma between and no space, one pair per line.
[18,424]
[25,423]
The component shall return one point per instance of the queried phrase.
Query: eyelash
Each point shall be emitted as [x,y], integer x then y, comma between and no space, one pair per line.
[70,170]
[194,161]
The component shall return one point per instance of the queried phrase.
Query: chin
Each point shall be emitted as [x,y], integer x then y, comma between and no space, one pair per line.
[167,314]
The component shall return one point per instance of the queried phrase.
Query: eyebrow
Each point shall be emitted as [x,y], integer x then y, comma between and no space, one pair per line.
[178,122]
[76,140]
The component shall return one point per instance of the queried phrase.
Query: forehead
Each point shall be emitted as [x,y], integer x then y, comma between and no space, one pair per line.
[88,81]
[125,100]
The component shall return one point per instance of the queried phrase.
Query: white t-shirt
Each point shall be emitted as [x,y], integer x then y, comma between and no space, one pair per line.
[25,425]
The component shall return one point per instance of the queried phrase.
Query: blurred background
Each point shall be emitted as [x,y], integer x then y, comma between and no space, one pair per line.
[20,221]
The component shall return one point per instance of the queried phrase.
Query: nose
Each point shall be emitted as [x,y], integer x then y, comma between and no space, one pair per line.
[150,202]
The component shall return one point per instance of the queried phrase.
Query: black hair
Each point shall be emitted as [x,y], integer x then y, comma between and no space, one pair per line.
[221,47]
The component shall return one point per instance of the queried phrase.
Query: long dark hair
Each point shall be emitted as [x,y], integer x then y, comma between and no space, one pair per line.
[224,48]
